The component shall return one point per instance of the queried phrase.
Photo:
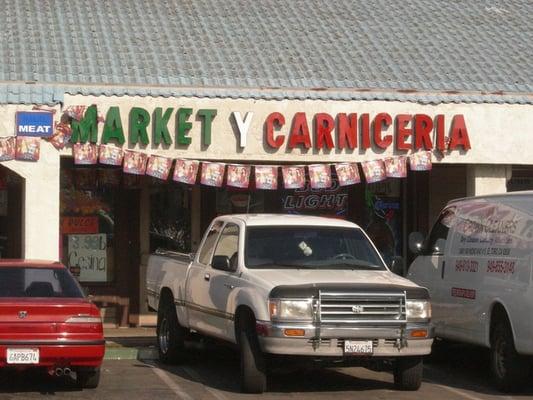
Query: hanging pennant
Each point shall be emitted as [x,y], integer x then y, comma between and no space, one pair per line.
[75,112]
[347,173]
[266,177]
[320,176]
[111,155]
[420,161]
[396,167]
[134,163]
[293,176]
[374,171]
[27,148]
[212,174]
[7,148]
[85,153]
[159,167]
[61,136]
[186,171]
[238,175]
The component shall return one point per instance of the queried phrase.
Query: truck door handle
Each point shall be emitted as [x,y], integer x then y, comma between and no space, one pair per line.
[230,287]
[442,272]
[207,277]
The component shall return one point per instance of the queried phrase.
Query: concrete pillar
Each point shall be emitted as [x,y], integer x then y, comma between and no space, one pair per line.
[40,230]
[487,179]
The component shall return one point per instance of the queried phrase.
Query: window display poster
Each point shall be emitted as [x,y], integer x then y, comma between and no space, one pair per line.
[87,257]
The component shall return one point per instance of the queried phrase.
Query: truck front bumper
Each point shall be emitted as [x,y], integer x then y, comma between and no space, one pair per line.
[397,341]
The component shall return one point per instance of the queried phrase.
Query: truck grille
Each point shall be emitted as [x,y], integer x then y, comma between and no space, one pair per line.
[361,308]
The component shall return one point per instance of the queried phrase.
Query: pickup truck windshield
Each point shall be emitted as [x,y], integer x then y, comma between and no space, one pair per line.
[309,247]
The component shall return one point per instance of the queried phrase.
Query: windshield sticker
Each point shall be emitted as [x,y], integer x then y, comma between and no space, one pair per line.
[305,248]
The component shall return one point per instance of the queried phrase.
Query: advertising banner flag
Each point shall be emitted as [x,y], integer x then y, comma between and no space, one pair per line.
[374,170]
[266,177]
[134,163]
[186,171]
[238,175]
[111,155]
[7,148]
[212,173]
[293,176]
[75,112]
[347,174]
[420,161]
[396,167]
[85,154]
[28,148]
[159,167]
[61,136]
[320,176]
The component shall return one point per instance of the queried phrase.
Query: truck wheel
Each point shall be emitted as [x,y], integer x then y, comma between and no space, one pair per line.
[509,369]
[88,378]
[170,335]
[253,371]
[408,373]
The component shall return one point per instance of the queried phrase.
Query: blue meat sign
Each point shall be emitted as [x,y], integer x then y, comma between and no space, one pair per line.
[34,123]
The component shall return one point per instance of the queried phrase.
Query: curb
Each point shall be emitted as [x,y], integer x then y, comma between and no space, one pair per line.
[131,353]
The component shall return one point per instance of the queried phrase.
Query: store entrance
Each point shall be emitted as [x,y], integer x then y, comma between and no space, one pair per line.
[11,200]
[100,236]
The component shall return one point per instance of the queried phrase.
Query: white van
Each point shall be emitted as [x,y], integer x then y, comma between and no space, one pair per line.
[477,264]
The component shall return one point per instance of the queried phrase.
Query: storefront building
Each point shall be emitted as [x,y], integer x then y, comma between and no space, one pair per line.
[72,204]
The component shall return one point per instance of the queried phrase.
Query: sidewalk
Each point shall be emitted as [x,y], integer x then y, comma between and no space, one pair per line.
[130,343]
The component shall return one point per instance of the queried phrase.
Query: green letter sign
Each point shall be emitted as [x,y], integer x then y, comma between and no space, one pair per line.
[160,129]
[113,126]
[182,126]
[208,116]
[139,120]
[87,128]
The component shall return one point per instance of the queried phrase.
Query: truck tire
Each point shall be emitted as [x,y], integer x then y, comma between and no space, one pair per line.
[253,371]
[88,378]
[509,369]
[408,373]
[170,334]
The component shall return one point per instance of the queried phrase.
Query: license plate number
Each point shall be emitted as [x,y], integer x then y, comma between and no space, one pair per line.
[358,347]
[22,356]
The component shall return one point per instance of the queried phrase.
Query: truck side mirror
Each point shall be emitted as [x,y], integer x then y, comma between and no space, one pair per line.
[416,241]
[221,262]
[397,265]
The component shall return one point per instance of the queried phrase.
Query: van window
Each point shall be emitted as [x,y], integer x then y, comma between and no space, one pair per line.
[437,238]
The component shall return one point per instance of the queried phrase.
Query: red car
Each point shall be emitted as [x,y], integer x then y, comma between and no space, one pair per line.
[46,321]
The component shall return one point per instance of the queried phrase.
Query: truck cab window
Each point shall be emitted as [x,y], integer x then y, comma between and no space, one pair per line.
[228,244]
[209,244]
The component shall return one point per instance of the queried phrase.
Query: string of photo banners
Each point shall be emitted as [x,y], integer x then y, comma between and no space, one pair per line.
[213,173]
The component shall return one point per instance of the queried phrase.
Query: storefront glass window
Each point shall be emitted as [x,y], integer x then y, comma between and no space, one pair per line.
[87,224]
[170,218]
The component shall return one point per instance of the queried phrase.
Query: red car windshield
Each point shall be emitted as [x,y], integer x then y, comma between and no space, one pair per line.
[38,282]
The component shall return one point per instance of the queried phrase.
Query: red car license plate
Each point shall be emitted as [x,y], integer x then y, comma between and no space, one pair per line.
[22,356]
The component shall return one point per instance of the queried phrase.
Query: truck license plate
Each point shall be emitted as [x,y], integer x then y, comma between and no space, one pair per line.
[22,356]
[354,347]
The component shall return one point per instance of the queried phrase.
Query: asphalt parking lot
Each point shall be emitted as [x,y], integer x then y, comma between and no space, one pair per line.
[458,373]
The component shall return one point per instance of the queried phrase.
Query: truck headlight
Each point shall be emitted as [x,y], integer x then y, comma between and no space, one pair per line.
[418,310]
[300,310]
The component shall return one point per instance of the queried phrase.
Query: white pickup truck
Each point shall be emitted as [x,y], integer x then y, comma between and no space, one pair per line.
[291,287]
